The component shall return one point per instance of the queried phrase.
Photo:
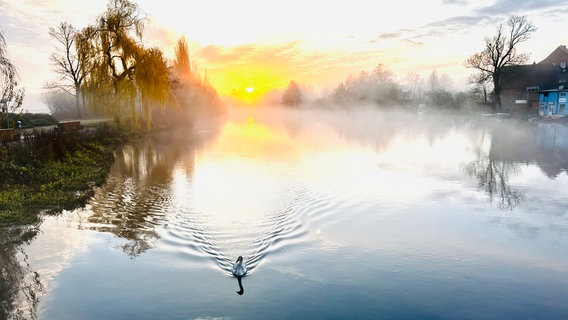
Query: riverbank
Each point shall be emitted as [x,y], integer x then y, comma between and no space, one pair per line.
[48,171]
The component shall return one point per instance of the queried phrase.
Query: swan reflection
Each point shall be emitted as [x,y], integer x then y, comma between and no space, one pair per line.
[241,289]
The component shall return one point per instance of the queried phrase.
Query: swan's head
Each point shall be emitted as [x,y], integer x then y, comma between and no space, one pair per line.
[239,259]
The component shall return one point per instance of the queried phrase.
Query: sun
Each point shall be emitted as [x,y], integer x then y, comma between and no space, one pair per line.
[248,94]
[248,83]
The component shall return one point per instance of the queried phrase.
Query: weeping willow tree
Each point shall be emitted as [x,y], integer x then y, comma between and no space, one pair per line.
[126,80]
[11,97]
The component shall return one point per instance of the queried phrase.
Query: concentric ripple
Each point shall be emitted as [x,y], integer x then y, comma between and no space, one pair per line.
[189,232]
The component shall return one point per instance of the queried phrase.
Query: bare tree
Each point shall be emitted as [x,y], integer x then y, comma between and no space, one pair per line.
[415,85]
[378,86]
[61,104]
[478,92]
[67,64]
[500,51]
[11,97]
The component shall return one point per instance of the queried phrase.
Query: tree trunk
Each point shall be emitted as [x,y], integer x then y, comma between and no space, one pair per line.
[497,91]
[78,101]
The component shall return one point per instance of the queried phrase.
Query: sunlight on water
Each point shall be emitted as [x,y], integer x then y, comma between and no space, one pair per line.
[379,211]
[233,191]
[264,185]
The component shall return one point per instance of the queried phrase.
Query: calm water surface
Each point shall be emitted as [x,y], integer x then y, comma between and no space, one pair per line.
[339,215]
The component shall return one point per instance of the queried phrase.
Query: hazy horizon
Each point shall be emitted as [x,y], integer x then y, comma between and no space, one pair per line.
[247,49]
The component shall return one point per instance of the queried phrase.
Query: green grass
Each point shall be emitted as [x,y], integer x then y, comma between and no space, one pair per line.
[49,173]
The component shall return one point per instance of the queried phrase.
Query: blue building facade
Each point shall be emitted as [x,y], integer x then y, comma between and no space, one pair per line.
[552,102]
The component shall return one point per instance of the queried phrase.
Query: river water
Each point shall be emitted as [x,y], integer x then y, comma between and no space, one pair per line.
[338,215]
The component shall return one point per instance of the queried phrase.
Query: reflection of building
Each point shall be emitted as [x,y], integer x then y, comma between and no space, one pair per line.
[539,86]
[545,144]
[552,135]
[552,142]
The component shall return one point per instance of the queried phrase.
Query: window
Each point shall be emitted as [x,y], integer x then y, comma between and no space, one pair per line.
[562,94]
[561,108]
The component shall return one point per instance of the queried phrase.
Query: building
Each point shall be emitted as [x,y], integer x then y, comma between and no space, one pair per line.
[539,86]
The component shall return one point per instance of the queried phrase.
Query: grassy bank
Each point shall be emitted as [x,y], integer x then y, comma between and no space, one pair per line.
[51,171]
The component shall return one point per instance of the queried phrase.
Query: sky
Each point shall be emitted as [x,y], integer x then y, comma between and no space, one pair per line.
[263,45]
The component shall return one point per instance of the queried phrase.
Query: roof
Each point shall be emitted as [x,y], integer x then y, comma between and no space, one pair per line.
[557,56]
[522,76]
[546,75]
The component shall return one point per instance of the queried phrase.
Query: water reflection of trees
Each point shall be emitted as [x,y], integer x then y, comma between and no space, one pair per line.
[20,286]
[515,144]
[493,176]
[133,200]
[378,128]
[129,205]
[543,144]
[495,167]
[512,143]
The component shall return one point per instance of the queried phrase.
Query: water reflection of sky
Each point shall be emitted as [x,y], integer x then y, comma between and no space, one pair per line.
[359,218]
[56,246]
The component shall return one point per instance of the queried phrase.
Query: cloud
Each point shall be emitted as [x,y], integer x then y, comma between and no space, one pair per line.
[480,17]
[248,53]
[441,28]
[157,35]
[26,22]
[278,64]
[398,34]
[457,24]
[274,57]
[507,7]
[455,2]
[21,26]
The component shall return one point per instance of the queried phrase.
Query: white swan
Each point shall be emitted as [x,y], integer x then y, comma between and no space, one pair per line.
[239,268]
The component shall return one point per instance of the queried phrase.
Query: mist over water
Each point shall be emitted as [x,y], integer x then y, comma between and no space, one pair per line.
[401,214]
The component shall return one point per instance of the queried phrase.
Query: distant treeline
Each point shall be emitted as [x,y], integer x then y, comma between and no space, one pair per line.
[26,120]
[380,88]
